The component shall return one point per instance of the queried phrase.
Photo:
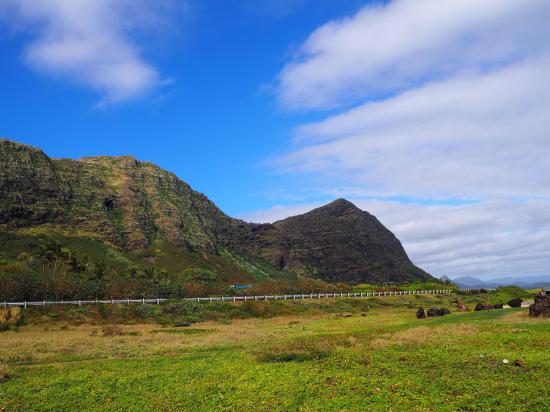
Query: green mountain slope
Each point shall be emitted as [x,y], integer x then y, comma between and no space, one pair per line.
[111,217]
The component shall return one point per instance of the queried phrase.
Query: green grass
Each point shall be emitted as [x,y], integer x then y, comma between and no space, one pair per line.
[379,358]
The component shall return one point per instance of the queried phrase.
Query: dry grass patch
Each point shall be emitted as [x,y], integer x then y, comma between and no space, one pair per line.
[10,316]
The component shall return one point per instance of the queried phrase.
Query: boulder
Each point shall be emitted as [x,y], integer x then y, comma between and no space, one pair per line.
[445,311]
[420,314]
[482,306]
[515,302]
[541,307]
[498,306]
[433,312]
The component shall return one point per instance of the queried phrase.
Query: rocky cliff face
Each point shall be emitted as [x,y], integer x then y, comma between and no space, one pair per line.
[130,204]
[336,242]
[117,199]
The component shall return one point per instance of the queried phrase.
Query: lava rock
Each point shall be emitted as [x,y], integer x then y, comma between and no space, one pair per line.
[515,302]
[433,312]
[498,306]
[420,314]
[482,306]
[445,311]
[541,307]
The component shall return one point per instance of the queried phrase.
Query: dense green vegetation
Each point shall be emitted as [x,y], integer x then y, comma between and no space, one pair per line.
[333,354]
[37,266]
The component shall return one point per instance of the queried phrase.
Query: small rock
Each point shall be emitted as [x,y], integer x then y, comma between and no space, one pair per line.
[505,361]
[519,362]
[181,324]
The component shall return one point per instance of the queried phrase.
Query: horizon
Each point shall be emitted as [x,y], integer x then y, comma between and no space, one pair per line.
[274,109]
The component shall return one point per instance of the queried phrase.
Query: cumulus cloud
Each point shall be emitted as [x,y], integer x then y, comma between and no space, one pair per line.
[442,100]
[89,41]
[387,48]
[487,239]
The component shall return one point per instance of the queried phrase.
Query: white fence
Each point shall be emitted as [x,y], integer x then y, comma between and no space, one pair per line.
[476,289]
[229,298]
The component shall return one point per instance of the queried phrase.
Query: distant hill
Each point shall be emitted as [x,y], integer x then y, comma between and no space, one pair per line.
[127,214]
[526,282]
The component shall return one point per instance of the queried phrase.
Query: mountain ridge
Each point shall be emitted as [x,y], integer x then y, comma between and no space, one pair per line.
[132,204]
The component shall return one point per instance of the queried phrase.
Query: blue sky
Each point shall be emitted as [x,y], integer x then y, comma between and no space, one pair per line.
[215,124]
[431,114]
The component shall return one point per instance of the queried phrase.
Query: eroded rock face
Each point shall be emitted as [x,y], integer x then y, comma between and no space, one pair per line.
[541,306]
[131,204]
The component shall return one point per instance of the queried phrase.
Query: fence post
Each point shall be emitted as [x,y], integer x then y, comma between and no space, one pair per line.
[143,300]
[25,304]
[158,301]
[79,303]
[234,298]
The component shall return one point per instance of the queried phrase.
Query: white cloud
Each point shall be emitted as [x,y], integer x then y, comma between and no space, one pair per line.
[89,41]
[387,48]
[488,239]
[451,101]
[469,136]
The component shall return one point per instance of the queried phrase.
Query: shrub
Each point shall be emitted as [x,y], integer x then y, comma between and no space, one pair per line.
[5,373]
[145,311]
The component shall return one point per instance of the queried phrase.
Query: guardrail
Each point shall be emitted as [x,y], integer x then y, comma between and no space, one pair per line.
[476,289]
[228,298]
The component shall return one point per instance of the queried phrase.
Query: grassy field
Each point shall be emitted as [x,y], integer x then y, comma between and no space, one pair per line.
[329,355]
